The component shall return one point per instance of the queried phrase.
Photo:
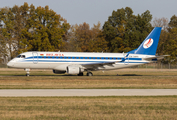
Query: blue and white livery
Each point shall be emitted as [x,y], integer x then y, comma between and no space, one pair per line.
[79,62]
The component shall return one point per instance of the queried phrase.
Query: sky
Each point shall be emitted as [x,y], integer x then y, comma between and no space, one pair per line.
[92,11]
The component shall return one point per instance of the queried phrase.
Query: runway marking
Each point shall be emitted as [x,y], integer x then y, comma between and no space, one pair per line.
[85,92]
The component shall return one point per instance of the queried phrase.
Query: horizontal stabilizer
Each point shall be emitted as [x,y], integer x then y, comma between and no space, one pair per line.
[156,57]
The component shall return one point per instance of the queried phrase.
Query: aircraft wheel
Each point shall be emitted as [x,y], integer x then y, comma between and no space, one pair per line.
[27,75]
[27,72]
[89,74]
[80,74]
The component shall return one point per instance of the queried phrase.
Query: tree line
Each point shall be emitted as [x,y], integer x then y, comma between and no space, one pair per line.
[29,28]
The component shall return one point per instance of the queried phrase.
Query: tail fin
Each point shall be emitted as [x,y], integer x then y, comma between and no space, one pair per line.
[149,45]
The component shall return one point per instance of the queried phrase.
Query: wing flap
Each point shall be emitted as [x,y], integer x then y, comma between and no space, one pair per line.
[98,64]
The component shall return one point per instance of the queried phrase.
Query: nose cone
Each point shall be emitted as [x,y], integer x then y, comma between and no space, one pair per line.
[10,64]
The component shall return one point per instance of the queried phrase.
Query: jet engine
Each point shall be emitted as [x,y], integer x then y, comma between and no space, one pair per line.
[74,69]
[58,72]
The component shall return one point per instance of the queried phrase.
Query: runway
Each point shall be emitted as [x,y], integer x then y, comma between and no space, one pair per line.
[85,92]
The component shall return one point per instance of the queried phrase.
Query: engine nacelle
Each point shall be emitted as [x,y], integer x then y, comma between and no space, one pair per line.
[58,72]
[74,69]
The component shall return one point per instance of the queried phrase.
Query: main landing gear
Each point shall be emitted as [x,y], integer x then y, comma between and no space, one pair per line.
[89,74]
[80,74]
[27,72]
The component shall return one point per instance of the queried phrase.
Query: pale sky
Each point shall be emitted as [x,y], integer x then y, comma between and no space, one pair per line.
[92,11]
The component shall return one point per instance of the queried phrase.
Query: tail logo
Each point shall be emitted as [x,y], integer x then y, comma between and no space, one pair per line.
[148,43]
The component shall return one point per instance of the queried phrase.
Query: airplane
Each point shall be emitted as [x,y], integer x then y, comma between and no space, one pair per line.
[79,62]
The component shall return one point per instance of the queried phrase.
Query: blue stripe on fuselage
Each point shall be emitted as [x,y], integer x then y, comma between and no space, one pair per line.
[95,58]
[77,61]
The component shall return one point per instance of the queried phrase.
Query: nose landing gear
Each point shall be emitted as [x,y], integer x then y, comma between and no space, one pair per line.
[27,72]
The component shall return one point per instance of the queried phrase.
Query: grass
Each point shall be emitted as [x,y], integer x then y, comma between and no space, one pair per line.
[126,79]
[88,108]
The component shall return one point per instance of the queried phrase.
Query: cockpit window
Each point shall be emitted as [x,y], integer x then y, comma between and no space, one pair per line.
[20,56]
[23,56]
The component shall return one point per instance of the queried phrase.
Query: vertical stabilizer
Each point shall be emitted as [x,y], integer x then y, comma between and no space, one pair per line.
[149,45]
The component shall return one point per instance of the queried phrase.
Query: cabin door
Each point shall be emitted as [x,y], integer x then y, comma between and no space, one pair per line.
[35,57]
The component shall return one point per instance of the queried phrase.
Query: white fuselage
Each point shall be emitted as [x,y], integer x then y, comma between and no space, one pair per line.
[60,60]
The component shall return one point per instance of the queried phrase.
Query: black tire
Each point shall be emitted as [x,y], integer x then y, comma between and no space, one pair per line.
[89,74]
[80,74]
[27,75]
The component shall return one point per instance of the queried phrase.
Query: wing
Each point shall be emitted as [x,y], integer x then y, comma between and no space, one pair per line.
[94,66]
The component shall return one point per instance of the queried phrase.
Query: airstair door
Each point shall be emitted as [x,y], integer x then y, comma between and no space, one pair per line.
[35,57]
